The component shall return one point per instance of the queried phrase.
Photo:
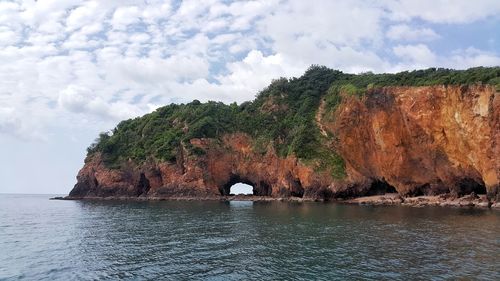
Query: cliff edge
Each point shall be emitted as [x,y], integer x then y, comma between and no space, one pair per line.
[322,136]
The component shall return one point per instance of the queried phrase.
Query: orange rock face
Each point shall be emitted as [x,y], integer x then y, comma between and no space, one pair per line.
[204,176]
[423,140]
[413,140]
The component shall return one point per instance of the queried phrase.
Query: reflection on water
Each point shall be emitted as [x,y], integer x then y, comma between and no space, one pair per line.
[240,204]
[42,239]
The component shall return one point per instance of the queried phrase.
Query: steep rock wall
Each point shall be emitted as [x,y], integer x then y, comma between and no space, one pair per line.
[413,140]
[423,140]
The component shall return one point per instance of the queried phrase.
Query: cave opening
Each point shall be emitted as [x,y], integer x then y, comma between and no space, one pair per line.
[143,185]
[380,187]
[296,189]
[241,189]
[467,186]
[240,185]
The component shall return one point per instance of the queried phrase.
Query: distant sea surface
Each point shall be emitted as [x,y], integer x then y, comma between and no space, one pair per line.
[43,239]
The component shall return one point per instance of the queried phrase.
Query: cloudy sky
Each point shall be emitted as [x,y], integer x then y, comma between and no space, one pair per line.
[70,69]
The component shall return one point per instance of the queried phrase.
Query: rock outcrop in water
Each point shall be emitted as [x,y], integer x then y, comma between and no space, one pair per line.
[413,140]
[205,176]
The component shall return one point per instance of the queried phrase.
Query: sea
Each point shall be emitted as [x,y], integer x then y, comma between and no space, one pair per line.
[42,239]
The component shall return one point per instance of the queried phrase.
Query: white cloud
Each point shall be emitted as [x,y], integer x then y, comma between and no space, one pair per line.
[125,16]
[13,124]
[75,98]
[139,38]
[79,41]
[157,70]
[407,33]
[83,15]
[153,13]
[443,11]
[323,22]
[9,11]
[35,12]
[8,122]
[7,36]
[78,99]
[418,56]
[106,60]
[262,69]
[471,57]
[339,34]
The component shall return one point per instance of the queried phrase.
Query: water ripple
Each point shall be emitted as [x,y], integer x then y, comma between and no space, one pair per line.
[72,240]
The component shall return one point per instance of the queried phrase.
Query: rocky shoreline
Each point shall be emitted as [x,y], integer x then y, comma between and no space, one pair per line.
[389,199]
[444,200]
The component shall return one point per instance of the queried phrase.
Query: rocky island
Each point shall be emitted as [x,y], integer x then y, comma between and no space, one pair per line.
[426,137]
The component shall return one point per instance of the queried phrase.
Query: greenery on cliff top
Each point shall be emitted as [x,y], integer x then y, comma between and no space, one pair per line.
[282,115]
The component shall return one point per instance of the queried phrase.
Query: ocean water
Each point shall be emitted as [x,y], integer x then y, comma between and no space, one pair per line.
[43,239]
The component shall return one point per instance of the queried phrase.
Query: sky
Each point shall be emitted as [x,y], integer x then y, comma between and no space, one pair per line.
[70,69]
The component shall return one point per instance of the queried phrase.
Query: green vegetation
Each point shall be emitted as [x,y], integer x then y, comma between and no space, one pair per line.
[282,115]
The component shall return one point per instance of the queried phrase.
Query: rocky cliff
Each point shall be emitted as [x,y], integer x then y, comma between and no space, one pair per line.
[413,140]
[423,140]
[205,176]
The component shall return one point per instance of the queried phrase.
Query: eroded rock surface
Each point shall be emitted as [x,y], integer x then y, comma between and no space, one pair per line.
[205,176]
[423,140]
[410,140]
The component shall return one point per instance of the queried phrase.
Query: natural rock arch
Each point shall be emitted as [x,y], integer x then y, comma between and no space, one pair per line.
[260,188]
[241,189]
